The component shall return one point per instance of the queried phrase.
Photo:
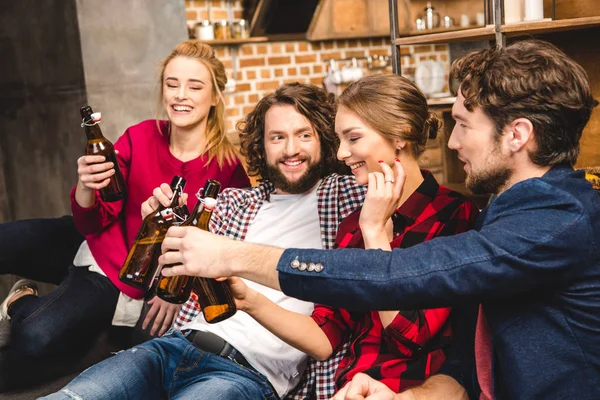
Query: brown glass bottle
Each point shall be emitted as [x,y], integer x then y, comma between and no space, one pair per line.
[97,144]
[215,297]
[141,265]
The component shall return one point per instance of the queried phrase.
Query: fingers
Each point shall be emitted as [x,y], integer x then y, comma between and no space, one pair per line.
[151,313]
[93,172]
[172,271]
[163,194]
[160,316]
[400,178]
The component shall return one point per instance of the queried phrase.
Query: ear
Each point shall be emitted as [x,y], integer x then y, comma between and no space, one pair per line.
[215,99]
[399,144]
[520,135]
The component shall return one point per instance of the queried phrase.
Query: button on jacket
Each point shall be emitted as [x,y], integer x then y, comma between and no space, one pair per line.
[534,264]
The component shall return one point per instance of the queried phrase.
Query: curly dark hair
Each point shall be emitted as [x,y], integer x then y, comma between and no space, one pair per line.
[310,101]
[535,80]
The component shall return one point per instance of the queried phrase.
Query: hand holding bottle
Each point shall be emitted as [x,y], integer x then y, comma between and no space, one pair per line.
[242,294]
[94,174]
[160,195]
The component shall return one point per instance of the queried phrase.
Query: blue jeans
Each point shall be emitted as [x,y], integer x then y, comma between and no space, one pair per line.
[66,319]
[41,249]
[70,316]
[167,367]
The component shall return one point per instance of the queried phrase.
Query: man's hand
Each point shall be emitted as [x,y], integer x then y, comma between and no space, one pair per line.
[164,311]
[198,252]
[363,387]
[205,254]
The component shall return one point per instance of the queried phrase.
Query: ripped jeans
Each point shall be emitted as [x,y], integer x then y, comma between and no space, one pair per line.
[167,367]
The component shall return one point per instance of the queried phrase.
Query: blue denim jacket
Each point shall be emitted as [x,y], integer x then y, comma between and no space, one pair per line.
[533,262]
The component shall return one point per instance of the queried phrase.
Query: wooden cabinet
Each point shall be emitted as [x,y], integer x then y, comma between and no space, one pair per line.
[575,30]
[337,19]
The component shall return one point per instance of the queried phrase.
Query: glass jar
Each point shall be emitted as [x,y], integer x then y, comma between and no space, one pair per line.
[222,31]
[205,30]
[240,29]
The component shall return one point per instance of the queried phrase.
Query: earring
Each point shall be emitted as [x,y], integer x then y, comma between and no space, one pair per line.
[399,148]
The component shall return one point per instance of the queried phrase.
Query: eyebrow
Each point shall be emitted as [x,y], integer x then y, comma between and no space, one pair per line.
[191,80]
[302,129]
[348,130]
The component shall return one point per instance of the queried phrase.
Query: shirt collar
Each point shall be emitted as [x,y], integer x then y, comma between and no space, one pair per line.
[413,207]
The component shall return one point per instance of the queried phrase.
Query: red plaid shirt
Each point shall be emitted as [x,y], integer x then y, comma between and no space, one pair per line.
[411,347]
[337,197]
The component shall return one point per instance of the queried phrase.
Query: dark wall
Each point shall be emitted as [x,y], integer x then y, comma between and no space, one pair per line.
[41,90]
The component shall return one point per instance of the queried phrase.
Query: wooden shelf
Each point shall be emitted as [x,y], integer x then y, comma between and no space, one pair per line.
[511,30]
[481,33]
[236,42]
[441,101]
[532,28]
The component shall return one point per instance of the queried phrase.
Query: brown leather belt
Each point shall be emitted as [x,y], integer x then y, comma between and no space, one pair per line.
[211,343]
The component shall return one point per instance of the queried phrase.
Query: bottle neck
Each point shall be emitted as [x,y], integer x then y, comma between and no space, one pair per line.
[204,218]
[92,130]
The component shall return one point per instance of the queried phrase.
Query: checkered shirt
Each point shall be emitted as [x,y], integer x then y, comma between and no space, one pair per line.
[337,197]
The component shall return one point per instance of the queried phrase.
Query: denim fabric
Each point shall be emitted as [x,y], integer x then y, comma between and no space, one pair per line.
[40,249]
[167,367]
[534,264]
[66,319]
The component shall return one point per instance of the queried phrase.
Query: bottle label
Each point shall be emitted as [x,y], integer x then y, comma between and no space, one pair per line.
[167,214]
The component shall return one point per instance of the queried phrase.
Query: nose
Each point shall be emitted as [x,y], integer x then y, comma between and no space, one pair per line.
[453,142]
[181,92]
[343,152]
[291,146]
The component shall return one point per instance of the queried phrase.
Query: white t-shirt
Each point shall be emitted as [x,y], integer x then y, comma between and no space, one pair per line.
[284,221]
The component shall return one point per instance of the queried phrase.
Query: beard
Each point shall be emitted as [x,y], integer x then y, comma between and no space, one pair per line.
[301,185]
[491,180]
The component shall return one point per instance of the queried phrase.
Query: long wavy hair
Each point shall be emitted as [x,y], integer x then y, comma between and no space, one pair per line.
[217,144]
[310,101]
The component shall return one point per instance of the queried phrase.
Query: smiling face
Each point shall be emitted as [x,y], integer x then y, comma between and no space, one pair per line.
[187,92]
[487,164]
[361,147]
[293,150]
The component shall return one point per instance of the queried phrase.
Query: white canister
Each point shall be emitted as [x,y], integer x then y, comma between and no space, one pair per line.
[205,30]
[513,11]
[464,21]
[534,10]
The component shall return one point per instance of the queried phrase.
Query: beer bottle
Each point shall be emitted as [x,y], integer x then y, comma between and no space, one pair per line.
[215,297]
[97,144]
[141,265]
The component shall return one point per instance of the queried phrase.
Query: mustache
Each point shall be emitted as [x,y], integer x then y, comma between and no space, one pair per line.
[299,158]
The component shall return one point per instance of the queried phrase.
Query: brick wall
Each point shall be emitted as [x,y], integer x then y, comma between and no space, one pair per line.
[263,67]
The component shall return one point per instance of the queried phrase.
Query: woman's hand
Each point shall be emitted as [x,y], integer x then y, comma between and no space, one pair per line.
[94,174]
[160,195]
[165,313]
[242,294]
[383,193]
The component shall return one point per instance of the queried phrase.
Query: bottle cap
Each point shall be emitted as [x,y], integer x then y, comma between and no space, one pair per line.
[210,203]
[178,181]
[211,188]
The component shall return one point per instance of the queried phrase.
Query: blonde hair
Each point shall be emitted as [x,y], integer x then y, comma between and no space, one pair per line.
[394,107]
[217,144]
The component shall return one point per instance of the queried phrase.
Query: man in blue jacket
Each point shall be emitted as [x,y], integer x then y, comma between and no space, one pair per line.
[532,263]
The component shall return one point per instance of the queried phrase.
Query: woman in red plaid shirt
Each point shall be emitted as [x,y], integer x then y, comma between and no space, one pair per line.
[382,121]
